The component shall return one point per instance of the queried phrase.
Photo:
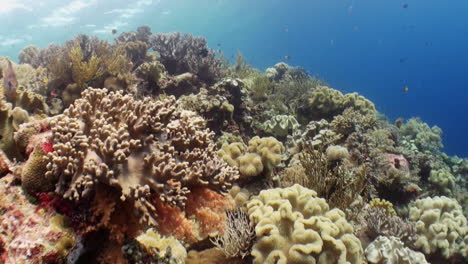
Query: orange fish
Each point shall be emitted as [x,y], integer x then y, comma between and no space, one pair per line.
[10,82]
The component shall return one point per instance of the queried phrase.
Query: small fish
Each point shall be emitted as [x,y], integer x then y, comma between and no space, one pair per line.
[405,5]
[399,121]
[114,31]
[10,83]
[287,57]
[203,52]
[403,59]
[405,89]
[219,44]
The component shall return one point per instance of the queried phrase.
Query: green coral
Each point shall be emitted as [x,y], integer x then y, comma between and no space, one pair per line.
[293,225]
[424,138]
[83,71]
[325,102]
[443,180]
[280,125]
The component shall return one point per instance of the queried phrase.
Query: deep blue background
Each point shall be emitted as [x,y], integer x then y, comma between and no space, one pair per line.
[374,47]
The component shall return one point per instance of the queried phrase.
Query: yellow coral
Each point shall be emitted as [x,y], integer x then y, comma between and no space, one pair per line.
[388,206]
[250,164]
[83,71]
[153,240]
[294,226]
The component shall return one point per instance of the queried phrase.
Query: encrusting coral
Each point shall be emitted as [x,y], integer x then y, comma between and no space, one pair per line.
[293,226]
[144,150]
[30,234]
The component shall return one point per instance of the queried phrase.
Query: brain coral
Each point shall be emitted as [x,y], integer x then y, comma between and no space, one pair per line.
[440,225]
[145,150]
[294,226]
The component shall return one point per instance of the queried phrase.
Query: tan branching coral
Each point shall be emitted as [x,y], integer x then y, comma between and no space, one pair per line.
[144,150]
[294,226]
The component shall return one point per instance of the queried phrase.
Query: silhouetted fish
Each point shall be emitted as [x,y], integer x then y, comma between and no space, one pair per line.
[405,89]
[287,57]
[10,82]
[405,5]
[114,31]
[403,59]
[203,52]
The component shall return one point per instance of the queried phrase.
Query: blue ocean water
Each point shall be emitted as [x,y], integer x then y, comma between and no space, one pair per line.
[374,47]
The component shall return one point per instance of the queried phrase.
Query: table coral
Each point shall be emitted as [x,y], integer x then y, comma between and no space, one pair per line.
[293,226]
[142,149]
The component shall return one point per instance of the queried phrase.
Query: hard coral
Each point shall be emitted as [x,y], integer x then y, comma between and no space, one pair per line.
[185,53]
[142,149]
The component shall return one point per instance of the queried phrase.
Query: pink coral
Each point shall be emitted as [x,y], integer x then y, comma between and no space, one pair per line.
[28,233]
[397,161]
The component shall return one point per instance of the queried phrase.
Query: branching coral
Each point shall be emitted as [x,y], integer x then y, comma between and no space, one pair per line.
[338,184]
[185,53]
[142,149]
[294,226]
[237,238]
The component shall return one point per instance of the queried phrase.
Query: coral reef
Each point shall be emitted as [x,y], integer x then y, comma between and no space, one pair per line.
[294,226]
[181,152]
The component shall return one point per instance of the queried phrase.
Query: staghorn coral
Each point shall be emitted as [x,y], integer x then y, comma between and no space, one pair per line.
[294,226]
[441,226]
[144,151]
[185,53]
[390,250]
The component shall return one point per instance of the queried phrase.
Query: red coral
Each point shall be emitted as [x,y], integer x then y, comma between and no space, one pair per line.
[209,208]
[204,215]
[172,221]
[47,146]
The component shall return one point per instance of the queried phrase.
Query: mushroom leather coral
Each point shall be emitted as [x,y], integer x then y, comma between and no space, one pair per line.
[294,226]
[144,150]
